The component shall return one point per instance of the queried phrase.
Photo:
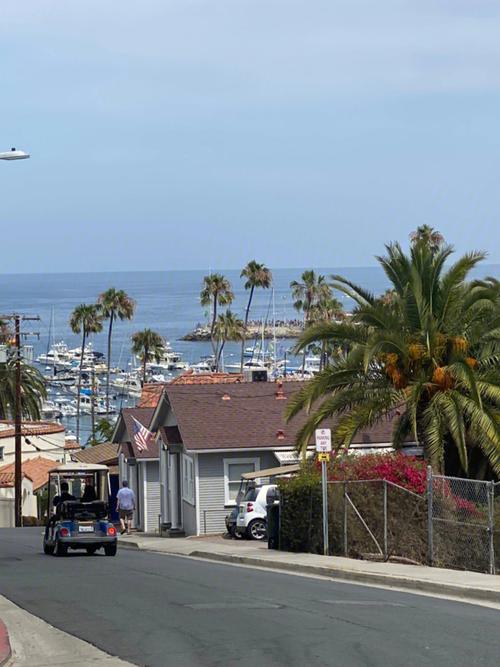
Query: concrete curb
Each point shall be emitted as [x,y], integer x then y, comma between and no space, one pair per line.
[391,580]
[5,650]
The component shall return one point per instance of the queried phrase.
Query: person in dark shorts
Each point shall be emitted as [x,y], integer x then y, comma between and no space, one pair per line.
[125,504]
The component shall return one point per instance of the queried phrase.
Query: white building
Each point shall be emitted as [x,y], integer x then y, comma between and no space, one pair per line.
[7,508]
[39,438]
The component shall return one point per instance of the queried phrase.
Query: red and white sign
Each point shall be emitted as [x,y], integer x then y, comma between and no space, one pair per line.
[323,440]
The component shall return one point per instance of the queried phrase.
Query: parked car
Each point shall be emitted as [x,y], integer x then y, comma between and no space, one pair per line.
[231,523]
[252,514]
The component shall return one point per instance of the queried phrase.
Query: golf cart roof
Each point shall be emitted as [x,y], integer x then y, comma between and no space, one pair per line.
[271,472]
[79,467]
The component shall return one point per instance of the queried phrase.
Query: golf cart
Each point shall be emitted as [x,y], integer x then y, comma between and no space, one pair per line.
[78,510]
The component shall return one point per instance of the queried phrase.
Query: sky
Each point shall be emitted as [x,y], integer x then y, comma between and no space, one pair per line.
[179,134]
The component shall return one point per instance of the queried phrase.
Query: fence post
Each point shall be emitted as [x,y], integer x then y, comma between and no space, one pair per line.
[345,521]
[430,536]
[491,524]
[386,548]
[204,522]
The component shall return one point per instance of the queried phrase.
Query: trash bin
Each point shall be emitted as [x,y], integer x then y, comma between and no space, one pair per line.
[273,525]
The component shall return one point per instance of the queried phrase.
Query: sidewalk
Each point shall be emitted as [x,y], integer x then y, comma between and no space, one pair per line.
[35,643]
[438,581]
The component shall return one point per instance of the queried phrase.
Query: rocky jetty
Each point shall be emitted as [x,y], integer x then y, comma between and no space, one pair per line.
[282,329]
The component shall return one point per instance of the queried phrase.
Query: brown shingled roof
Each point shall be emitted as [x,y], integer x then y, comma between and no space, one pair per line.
[207,378]
[106,453]
[245,415]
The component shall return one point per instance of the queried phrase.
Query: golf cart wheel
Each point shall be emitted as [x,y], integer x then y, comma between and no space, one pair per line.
[257,529]
[110,549]
[91,550]
[60,549]
[48,549]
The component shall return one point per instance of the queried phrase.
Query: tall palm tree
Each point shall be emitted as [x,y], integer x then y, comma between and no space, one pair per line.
[216,291]
[114,304]
[32,390]
[429,359]
[85,319]
[306,295]
[326,308]
[149,346]
[228,327]
[257,275]
[428,236]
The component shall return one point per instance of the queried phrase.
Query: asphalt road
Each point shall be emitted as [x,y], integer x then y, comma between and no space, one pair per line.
[167,611]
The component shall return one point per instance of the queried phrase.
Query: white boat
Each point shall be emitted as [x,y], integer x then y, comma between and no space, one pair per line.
[127,384]
[99,405]
[49,410]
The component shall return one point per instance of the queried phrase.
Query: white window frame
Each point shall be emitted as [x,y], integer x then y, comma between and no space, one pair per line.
[187,482]
[227,462]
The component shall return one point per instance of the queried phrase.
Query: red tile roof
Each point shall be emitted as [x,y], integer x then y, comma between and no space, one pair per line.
[245,415]
[36,469]
[151,394]
[30,428]
[207,378]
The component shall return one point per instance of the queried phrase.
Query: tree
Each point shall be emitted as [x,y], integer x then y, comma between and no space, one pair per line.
[307,294]
[85,319]
[257,275]
[428,359]
[149,346]
[326,308]
[114,304]
[428,236]
[216,291]
[103,432]
[228,327]
[32,390]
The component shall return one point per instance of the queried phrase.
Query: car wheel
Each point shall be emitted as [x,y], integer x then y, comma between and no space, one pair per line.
[257,529]
[60,549]
[237,535]
[48,549]
[110,549]
[91,550]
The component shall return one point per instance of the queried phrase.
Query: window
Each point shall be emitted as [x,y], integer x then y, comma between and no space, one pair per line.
[188,479]
[1,453]
[233,469]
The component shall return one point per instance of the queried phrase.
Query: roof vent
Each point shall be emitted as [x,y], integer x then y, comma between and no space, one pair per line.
[226,397]
[280,434]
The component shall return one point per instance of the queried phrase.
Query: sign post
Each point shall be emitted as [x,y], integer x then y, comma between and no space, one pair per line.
[324,447]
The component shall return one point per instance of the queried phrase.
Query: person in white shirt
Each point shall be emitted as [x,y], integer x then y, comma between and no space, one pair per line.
[125,504]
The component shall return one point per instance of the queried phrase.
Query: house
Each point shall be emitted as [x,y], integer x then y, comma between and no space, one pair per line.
[139,468]
[207,435]
[38,438]
[37,471]
[7,495]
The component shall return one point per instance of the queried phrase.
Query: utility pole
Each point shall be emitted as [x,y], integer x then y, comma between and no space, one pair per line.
[18,465]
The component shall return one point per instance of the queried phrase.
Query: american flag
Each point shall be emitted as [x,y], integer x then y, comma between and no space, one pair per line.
[142,437]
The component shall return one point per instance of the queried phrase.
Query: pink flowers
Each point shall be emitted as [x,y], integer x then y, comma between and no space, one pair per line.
[406,471]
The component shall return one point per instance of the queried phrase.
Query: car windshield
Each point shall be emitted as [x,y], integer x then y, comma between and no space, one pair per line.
[250,495]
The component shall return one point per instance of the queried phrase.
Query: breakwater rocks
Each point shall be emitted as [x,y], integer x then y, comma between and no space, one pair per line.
[254,330]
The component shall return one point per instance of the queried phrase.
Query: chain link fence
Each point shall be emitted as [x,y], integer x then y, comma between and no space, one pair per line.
[455,524]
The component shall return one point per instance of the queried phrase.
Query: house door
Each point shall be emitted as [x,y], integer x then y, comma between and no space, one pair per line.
[174,486]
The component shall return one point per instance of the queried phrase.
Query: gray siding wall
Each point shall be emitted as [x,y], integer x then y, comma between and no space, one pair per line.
[188,518]
[211,472]
[153,495]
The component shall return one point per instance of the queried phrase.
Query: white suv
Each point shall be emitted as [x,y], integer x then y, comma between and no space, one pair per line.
[252,515]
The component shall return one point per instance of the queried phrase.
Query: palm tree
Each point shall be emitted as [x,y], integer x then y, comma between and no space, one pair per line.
[85,319]
[326,308]
[32,390]
[429,236]
[428,359]
[149,346]
[216,291]
[228,327]
[257,275]
[306,295]
[114,304]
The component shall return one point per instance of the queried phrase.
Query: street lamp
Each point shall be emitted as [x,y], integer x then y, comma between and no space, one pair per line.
[14,154]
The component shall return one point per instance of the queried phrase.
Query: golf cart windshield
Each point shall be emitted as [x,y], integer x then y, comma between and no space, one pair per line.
[79,488]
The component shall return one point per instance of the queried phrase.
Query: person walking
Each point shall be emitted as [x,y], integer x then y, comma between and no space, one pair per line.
[125,504]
